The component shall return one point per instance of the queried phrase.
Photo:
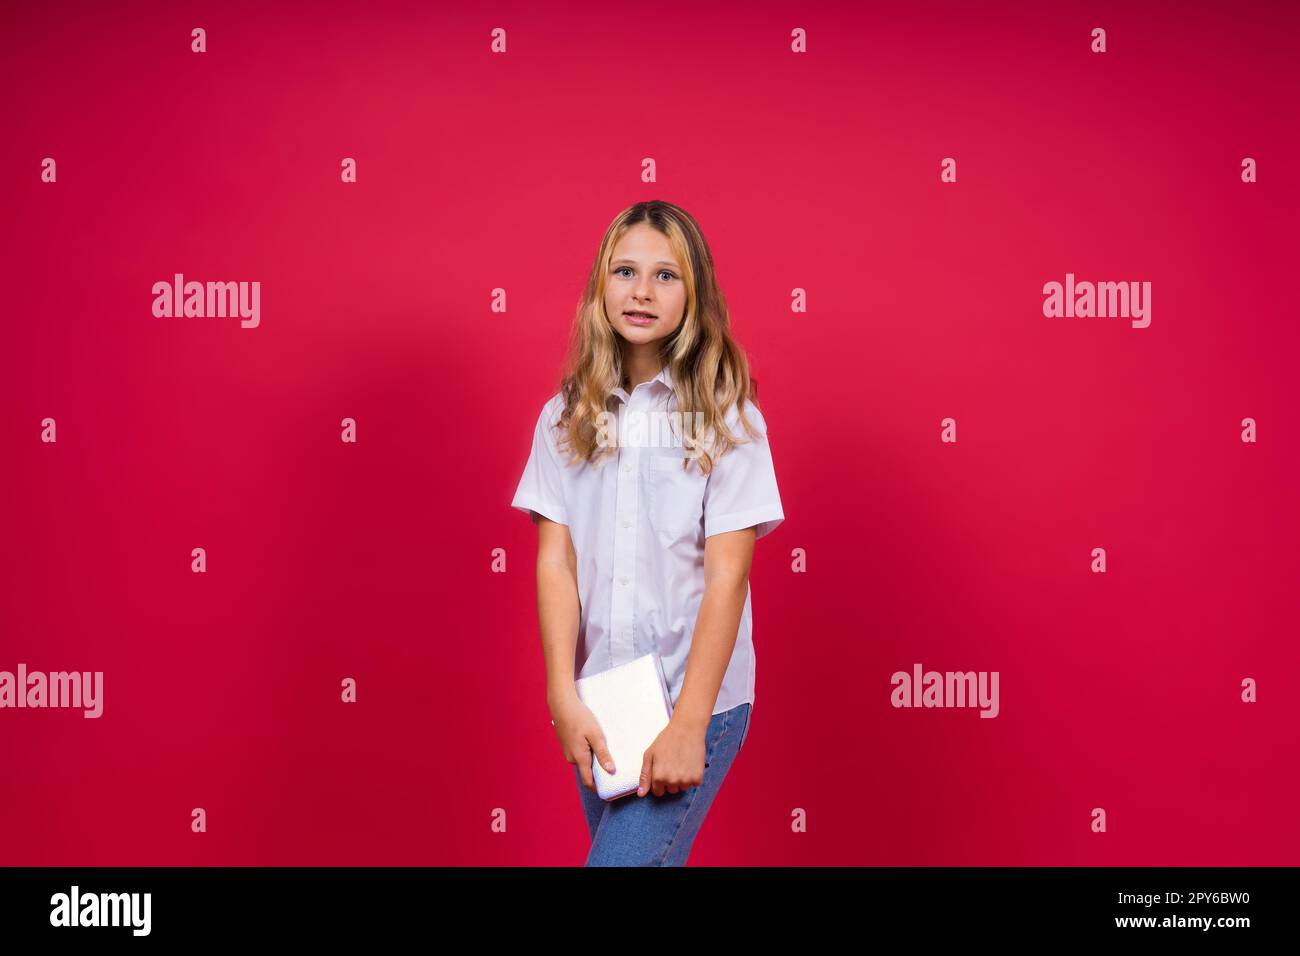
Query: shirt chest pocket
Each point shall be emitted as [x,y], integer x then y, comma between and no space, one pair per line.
[676,498]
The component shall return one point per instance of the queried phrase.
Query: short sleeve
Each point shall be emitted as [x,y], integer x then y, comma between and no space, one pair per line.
[741,491]
[541,489]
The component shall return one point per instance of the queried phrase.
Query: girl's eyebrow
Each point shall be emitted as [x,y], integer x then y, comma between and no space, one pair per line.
[661,262]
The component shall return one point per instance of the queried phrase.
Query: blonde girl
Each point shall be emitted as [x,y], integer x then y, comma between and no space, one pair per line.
[650,479]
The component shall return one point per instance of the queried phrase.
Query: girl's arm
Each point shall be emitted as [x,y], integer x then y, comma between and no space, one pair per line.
[727,560]
[558,609]
[559,613]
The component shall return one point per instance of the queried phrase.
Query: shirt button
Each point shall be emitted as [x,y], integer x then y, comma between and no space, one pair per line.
[627,466]
[623,582]
[626,523]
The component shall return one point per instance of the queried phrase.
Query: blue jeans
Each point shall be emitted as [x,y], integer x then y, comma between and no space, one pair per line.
[659,831]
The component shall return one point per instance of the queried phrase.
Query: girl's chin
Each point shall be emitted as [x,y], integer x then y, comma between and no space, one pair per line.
[640,333]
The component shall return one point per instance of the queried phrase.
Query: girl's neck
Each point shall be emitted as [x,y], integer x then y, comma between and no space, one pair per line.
[640,365]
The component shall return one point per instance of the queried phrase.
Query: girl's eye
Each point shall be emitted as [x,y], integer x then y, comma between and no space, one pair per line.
[662,272]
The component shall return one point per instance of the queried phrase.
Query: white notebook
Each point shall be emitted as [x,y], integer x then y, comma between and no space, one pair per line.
[632,705]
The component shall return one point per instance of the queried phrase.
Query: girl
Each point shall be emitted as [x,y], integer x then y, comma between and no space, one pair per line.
[645,544]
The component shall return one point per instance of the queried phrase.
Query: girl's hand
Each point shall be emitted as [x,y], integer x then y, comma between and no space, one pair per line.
[675,761]
[580,737]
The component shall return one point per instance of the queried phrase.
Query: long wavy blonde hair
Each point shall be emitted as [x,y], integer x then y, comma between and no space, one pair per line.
[709,371]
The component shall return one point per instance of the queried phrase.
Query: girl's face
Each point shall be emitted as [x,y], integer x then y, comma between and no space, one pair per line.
[644,276]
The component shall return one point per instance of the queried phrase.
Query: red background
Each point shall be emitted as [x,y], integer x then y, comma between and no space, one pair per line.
[817,171]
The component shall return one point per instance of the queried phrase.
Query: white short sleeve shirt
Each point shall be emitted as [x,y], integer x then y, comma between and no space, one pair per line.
[638,523]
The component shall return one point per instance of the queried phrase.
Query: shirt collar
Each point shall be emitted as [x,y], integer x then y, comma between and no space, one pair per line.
[663,377]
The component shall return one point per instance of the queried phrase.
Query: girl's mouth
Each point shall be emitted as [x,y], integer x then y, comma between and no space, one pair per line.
[639,318]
